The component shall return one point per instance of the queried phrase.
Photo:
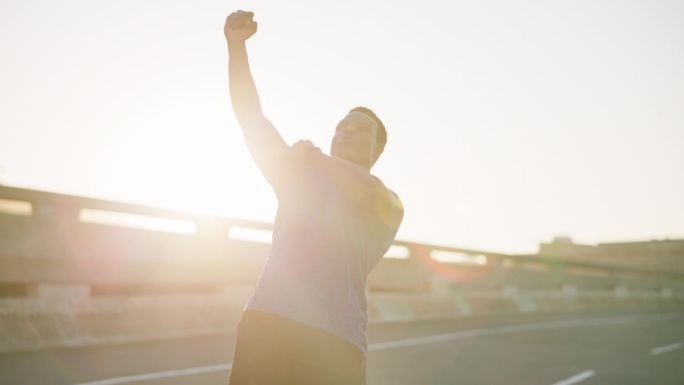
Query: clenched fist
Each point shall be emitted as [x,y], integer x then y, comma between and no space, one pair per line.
[240,26]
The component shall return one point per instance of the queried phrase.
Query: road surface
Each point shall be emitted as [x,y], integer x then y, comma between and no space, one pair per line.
[563,349]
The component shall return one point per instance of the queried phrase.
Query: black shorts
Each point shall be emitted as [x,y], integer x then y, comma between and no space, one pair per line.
[273,350]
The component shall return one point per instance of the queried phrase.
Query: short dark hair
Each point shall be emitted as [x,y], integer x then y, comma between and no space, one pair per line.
[381,137]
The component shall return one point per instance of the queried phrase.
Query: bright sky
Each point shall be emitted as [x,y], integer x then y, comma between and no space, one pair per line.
[510,122]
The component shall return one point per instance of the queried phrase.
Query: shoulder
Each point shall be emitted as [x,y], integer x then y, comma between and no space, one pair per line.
[287,168]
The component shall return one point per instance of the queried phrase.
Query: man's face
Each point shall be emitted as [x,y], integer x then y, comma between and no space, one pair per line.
[355,139]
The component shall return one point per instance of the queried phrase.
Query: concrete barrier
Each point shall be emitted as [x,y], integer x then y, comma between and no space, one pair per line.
[76,271]
[56,245]
[35,323]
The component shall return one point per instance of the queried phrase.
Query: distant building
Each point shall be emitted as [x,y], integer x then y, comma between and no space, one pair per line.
[664,255]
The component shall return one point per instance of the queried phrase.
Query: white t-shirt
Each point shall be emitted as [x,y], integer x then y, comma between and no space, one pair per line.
[324,245]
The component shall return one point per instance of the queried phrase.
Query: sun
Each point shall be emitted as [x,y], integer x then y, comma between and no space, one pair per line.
[200,172]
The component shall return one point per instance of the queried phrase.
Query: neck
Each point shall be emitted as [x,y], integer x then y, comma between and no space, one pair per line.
[364,164]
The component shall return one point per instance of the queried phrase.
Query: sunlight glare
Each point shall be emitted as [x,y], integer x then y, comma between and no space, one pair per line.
[13,207]
[397,252]
[137,221]
[250,234]
[461,258]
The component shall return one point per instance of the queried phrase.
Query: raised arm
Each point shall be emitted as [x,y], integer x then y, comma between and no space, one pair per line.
[263,140]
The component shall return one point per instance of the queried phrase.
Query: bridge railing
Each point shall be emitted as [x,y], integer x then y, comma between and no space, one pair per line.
[62,245]
[76,271]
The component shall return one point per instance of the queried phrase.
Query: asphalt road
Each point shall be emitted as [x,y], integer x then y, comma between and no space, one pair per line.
[599,348]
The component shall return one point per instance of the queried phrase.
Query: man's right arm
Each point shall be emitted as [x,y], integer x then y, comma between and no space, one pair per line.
[264,142]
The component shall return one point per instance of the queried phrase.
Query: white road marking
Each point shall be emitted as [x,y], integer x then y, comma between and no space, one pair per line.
[668,348]
[493,331]
[576,378]
[170,373]
[413,341]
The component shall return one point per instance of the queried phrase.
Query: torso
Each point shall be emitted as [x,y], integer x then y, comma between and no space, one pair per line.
[324,246]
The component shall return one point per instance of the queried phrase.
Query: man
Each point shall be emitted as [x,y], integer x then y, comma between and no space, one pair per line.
[305,322]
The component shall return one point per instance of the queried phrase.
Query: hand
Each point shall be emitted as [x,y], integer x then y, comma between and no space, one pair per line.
[239,26]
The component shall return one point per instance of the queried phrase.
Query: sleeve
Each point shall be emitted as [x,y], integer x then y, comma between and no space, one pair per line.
[284,172]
